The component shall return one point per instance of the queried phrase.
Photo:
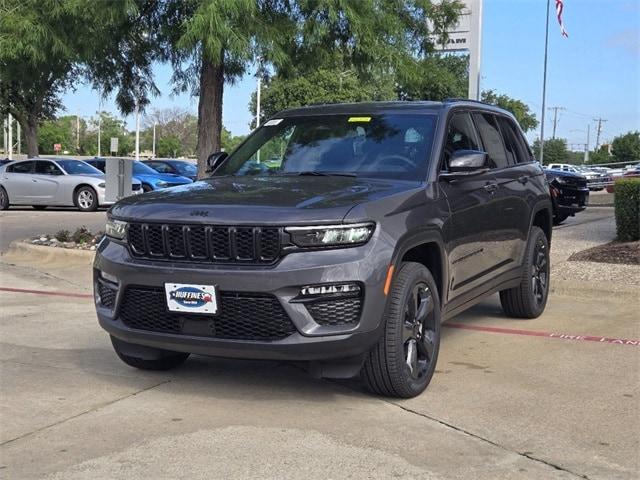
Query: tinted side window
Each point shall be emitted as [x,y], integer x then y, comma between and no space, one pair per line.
[22,167]
[491,139]
[516,149]
[461,135]
[160,167]
[47,168]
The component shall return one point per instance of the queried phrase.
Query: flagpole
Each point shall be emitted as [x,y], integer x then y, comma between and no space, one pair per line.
[544,87]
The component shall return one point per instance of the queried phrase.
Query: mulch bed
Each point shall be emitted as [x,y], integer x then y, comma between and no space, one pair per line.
[615,252]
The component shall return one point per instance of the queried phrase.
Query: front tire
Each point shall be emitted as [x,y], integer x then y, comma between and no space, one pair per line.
[529,299]
[403,361]
[165,360]
[4,199]
[146,188]
[86,199]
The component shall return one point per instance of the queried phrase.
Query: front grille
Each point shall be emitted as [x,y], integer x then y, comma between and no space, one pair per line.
[107,294]
[241,316]
[344,311]
[217,244]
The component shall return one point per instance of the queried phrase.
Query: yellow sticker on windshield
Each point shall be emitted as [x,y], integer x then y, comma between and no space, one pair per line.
[359,119]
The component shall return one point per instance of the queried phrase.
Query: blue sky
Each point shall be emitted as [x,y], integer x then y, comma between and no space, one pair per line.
[594,73]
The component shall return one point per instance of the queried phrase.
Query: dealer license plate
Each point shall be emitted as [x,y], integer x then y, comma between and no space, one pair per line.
[191,298]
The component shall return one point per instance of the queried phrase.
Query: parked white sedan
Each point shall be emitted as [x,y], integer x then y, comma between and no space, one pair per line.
[60,182]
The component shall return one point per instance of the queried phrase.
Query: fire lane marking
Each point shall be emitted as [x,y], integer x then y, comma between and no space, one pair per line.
[46,292]
[460,326]
[556,335]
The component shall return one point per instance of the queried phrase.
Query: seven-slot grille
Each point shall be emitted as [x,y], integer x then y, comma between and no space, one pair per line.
[218,244]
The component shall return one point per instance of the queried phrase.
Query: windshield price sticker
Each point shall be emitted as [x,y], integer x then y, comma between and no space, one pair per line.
[273,122]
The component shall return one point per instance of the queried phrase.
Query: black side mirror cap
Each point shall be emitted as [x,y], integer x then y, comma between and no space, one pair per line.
[215,160]
[464,164]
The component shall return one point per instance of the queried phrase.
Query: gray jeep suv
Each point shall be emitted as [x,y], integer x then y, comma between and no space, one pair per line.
[337,235]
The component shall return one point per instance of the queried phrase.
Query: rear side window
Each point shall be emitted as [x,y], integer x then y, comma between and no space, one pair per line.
[491,139]
[22,167]
[461,135]
[160,167]
[517,152]
[47,168]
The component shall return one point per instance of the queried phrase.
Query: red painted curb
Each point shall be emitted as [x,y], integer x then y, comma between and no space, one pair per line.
[45,292]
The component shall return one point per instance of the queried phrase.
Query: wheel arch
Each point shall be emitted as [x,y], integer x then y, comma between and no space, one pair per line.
[78,187]
[543,217]
[426,248]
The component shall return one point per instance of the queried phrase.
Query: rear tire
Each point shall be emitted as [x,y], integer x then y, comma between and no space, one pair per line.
[403,361]
[4,199]
[86,199]
[38,207]
[529,299]
[166,359]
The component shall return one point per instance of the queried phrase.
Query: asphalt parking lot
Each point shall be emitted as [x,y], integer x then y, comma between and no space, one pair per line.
[555,397]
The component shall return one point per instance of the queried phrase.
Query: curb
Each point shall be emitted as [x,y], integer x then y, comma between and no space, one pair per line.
[41,254]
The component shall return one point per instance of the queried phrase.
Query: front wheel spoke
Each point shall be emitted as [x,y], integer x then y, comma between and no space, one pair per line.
[412,356]
[407,331]
[425,309]
[427,344]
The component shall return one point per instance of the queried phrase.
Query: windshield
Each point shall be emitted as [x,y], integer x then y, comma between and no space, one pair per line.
[140,168]
[386,146]
[185,168]
[76,167]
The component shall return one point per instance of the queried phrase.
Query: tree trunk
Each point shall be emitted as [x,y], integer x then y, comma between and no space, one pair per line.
[30,129]
[209,112]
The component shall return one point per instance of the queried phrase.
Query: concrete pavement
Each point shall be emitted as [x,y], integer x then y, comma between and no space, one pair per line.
[510,399]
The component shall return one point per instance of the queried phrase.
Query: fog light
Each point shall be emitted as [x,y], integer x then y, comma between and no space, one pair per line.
[315,290]
[108,277]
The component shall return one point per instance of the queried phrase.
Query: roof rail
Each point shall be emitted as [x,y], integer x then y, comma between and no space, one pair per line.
[451,100]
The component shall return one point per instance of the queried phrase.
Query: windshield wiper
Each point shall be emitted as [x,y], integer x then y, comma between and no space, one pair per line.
[322,174]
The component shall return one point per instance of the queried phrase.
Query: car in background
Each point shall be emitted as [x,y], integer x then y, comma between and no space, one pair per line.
[151,179]
[4,161]
[177,167]
[628,171]
[54,182]
[569,194]
[596,180]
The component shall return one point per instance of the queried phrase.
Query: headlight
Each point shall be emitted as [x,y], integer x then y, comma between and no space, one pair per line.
[162,184]
[116,228]
[102,185]
[332,235]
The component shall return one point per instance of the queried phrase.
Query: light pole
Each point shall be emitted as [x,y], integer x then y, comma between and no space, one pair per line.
[154,138]
[137,131]
[99,126]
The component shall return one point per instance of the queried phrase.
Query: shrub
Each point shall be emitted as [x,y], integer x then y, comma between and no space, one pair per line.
[627,204]
[82,235]
[63,236]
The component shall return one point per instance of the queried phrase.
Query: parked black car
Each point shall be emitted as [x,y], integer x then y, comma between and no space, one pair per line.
[368,226]
[176,167]
[569,194]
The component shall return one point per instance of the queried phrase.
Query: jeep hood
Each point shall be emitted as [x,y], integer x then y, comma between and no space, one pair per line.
[259,200]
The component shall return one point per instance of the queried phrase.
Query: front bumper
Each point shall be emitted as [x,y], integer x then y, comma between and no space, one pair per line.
[102,196]
[570,201]
[311,341]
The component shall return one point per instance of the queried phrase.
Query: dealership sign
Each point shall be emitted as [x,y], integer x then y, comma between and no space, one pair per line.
[466,36]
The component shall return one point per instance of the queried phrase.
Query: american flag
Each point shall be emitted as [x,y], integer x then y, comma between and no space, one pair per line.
[559,8]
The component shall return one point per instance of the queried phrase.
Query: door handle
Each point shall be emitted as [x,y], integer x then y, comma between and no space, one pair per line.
[491,187]
[523,179]
[34,180]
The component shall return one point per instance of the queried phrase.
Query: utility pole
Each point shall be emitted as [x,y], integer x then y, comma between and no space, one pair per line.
[555,119]
[586,145]
[598,130]
[137,131]
[77,131]
[19,138]
[99,128]
[154,138]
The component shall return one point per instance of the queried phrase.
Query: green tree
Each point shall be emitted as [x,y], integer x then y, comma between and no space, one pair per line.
[176,122]
[599,156]
[555,150]
[519,109]
[169,146]
[320,86]
[210,42]
[110,127]
[61,130]
[626,147]
[46,46]
[230,141]
[435,77]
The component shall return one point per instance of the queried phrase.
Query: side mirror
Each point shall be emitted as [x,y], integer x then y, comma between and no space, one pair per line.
[465,163]
[215,160]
